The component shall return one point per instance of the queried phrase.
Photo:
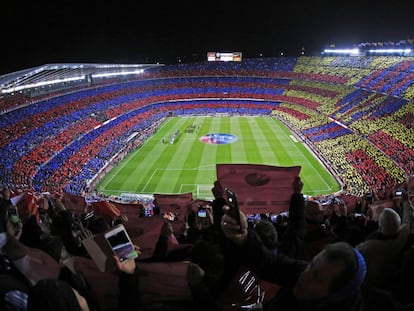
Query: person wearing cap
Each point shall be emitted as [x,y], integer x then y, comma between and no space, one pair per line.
[330,281]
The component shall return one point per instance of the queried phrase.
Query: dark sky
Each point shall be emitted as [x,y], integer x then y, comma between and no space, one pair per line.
[108,31]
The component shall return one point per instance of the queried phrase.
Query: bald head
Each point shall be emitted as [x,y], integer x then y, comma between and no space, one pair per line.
[313,212]
[389,222]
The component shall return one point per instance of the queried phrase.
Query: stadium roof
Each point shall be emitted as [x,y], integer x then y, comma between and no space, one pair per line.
[50,74]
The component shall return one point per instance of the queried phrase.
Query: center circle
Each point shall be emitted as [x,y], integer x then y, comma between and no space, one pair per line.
[218,138]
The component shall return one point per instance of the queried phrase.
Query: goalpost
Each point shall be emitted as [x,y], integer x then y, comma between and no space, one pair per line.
[204,191]
[200,191]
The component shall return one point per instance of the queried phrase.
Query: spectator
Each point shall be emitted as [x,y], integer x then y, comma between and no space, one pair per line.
[51,294]
[404,286]
[383,248]
[267,233]
[316,235]
[5,205]
[207,257]
[407,211]
[33,235]
[11,280]
[281,224]
[331,281]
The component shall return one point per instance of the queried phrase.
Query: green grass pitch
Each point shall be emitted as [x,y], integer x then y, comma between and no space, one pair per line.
[189,165]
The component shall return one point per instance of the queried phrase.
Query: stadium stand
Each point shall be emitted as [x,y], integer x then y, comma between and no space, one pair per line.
[310,84]
[57,139]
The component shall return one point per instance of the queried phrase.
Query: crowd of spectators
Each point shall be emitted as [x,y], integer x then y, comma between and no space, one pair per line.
[41,137]
[61,143]
[353,111]
[46,264]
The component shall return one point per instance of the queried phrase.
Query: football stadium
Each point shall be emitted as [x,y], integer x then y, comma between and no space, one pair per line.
[137,144]
[67,126]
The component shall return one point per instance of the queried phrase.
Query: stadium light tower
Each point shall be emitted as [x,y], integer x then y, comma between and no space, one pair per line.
[391,51]
[351,52]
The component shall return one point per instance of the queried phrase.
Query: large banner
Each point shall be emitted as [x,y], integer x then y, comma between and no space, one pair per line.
[178,204]
[144,233]
[259,188]
[75,203]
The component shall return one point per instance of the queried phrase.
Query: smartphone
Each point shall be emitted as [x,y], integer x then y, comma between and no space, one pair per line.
[13,211]
[13,215]
[120,243]
[202,212]
[233,204]
[398,193]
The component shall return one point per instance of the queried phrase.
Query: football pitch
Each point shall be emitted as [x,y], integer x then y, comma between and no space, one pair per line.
[188,164]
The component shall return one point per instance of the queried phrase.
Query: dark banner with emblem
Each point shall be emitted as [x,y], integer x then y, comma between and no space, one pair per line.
[259,188]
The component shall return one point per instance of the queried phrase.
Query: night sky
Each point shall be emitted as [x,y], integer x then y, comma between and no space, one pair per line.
[107,31]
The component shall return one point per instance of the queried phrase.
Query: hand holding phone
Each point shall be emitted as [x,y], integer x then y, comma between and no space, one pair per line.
[14,215]
[126,266]
[120,243]
[234,211]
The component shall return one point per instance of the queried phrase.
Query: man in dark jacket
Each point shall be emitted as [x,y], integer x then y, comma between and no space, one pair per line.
[331,281]
[57,295]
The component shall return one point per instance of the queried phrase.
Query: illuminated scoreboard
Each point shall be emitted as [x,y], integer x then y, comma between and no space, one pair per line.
[224,57]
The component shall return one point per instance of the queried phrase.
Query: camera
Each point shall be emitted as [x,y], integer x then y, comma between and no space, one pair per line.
[233,204]
[202,212]
[398,193]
